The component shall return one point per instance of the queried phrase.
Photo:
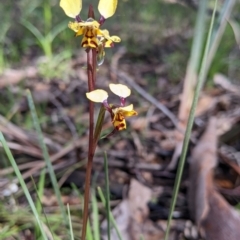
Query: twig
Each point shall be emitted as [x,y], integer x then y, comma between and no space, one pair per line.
[53,158]
[147,96]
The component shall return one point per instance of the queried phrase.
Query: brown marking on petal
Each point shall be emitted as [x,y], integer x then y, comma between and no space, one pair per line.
[120,125]
[119,117]
[85,44]
[89,33]
[94,44]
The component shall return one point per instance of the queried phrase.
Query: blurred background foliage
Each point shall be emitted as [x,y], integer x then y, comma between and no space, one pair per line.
[151,30]
[156,33]
[146,28]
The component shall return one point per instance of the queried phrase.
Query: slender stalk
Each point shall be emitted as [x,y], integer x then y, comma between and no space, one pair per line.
[200,82]
[91,71]
[108,210]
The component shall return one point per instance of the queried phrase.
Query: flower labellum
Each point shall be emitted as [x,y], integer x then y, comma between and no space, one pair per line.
[118,112]
[119,115]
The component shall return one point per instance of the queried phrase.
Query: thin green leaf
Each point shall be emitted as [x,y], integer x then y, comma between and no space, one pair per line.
[236,30]
[46,156]
[45,42]
[23,185]
[101,195]
[218,31]
[200,82]
[99,125]
[56,30]
[197,45]
[70,222]
[95,217]
[33,30]
[108,210]
[89,235]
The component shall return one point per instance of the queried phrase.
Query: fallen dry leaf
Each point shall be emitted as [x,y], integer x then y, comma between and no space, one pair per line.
[131,214]
[205,104]
[224,82]
[11,76]
[214,217]
[138,198]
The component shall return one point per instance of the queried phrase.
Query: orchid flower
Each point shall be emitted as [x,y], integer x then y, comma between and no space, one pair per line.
[93,36]
[118,113]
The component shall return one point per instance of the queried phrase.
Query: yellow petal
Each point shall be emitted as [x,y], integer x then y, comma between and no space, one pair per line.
[130,113]
[127,111]
[115,39]
[107,7]
[106,35]
[97,95]
[90,23]
[75,27]
[120,90]
[127,108]
[71,7]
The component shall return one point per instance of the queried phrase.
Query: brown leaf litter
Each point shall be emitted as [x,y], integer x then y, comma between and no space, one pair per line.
[215,218]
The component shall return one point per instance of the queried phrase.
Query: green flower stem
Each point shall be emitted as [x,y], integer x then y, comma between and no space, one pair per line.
[200,82]
[98,127]
[91,71]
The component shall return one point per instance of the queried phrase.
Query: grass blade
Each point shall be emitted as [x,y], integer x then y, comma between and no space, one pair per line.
[200,82]
[95,215]
[46,156]
[103,200]
[218,31]
[89,235]
[23,185]
[107,206]
[70,223]
[39,189]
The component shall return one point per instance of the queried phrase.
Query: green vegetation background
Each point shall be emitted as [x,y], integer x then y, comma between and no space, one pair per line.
[143,27]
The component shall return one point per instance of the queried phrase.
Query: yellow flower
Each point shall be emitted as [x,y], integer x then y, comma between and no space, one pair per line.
[118,113]
[105,40]
[93,36]
[90,31]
